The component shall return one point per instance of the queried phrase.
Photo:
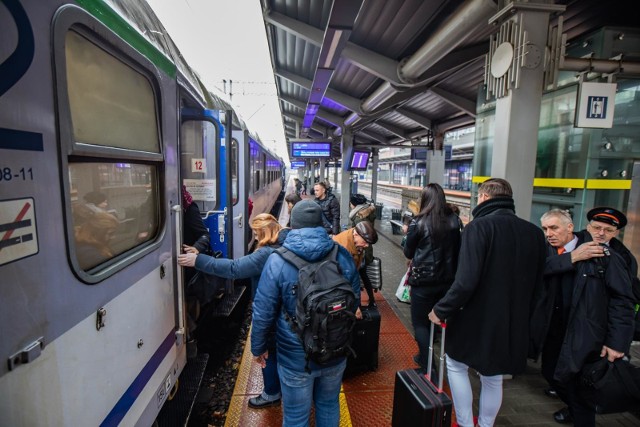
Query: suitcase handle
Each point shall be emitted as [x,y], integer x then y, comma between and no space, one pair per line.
[430,359]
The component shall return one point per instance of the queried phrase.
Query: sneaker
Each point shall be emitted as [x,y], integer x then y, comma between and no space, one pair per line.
[260,402]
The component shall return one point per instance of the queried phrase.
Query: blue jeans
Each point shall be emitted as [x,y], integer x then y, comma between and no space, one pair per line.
[299,387]
[270,372]
[423,298]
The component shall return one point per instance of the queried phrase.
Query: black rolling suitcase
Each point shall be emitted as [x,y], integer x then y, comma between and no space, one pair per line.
[417,401]
[366,336]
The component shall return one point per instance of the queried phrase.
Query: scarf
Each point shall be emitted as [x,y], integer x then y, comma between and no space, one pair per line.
[492,205]
[186,198]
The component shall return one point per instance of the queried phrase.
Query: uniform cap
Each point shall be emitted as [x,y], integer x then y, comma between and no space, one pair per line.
[608,215]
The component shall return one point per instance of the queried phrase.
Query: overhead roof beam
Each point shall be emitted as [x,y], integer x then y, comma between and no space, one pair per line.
[393,129]
[420,120]
[457,101]
[326,116]
[338,97]
[373,135]
[370,61]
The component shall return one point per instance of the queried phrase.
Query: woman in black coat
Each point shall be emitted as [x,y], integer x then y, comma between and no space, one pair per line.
[433,243]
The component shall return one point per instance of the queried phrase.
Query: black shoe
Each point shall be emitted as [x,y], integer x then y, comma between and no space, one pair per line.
[372,304]
[563,416]
[550,392]
[259,402]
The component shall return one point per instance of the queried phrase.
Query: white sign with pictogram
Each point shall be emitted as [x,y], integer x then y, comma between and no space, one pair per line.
[18,237]
[596,105]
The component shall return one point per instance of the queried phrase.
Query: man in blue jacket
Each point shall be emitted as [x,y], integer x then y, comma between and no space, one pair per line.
[275,295]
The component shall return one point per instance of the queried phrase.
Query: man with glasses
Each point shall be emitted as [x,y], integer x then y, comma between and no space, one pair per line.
[584,311]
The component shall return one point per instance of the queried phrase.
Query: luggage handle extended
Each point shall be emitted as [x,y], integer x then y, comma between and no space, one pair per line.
[430,359]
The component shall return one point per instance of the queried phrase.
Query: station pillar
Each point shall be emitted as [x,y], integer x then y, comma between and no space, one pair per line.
[374,174]
[518,107]
[345,179]
[435,161]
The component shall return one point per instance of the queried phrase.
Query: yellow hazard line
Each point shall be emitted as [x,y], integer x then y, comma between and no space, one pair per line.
[234,413]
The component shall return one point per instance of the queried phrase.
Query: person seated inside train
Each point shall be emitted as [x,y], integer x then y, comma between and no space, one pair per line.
[92,239]
[97,202]
[269,236]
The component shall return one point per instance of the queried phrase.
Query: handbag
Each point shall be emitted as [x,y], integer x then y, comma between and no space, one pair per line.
[610,387]
[403,293]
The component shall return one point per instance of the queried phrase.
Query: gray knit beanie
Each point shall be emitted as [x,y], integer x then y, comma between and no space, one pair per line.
[306,214]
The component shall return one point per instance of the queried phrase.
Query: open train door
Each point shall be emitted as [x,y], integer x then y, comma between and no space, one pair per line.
[203,170]
[239,229]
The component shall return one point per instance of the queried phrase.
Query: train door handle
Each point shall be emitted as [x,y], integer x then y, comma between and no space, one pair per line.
[239,219]
[181,331]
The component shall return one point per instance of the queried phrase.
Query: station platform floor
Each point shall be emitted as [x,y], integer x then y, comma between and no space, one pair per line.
[367,399]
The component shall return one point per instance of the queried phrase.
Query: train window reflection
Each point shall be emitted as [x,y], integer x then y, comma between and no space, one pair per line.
[111,103]
[114,208]
[199,161]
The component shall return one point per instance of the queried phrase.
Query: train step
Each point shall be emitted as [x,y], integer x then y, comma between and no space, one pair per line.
[176,412]
[228,302]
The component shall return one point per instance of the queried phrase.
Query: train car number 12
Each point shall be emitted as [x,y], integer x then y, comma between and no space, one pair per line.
[7,174]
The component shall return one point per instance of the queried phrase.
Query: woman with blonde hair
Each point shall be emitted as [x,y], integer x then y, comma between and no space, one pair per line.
[92,239]
[269,236]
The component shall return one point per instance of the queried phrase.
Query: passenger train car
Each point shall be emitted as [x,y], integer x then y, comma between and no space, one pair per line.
[101,123]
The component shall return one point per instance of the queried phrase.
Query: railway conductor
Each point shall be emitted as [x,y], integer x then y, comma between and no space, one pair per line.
[585,311]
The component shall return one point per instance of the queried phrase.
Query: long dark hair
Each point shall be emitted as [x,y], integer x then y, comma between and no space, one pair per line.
[433,210]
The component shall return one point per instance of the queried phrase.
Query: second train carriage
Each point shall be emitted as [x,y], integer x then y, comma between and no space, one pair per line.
[96,102]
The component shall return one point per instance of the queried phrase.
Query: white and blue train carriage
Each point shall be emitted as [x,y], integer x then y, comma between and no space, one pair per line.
[101,123]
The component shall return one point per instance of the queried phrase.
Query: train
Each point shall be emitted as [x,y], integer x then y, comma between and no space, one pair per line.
[102,122]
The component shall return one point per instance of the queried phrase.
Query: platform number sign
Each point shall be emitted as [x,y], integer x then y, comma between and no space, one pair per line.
[595,107]
[18,237]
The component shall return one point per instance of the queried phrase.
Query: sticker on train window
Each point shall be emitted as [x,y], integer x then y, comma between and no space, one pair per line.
[199,165]
[18,237]
[201,189]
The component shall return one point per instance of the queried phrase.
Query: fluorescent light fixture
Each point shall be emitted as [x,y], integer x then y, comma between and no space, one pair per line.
[335,39]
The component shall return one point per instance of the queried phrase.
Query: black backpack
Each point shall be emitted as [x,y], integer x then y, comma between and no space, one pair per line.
[323,318]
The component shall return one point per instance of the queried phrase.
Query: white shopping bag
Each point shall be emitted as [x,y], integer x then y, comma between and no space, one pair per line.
[404,290]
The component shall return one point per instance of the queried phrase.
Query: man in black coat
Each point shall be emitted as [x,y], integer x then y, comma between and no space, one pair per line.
[583,312]
[330,208]
[487,308]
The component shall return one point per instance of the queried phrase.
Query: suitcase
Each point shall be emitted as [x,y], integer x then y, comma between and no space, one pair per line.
[417,401]
[374,273]
[366,336]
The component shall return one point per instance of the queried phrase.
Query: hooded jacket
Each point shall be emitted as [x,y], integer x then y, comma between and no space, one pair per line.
[276,293]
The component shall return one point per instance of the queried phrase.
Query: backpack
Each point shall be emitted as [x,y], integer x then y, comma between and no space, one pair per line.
[323,320]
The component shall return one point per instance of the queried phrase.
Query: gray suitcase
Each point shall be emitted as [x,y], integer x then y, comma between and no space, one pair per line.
[374,273]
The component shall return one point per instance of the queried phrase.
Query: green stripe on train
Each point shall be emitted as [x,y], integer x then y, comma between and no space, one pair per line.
[115,22]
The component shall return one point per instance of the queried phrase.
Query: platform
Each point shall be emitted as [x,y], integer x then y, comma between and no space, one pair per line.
[367,399]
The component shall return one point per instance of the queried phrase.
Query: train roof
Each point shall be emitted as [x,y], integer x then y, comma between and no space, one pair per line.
[143,19]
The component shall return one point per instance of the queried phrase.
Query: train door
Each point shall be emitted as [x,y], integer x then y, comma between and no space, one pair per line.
[240,229]
[203,171]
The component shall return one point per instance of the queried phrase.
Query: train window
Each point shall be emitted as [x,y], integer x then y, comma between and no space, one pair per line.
[111,104]
[234,171]
[114,209]
[198,162]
